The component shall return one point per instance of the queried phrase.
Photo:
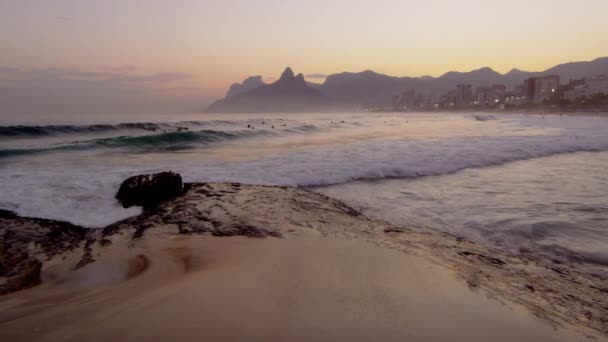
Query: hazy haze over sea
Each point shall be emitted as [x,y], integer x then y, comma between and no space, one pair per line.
[519,182]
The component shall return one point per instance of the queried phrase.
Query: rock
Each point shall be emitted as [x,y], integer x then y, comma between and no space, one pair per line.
[149,190]
[26,275]
[393,230]
[7,214]
[86,259]
[245,230]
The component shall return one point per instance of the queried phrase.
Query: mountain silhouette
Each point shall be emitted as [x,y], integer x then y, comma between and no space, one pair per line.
[289,93]
[247,85]
[349,90]
[369,88]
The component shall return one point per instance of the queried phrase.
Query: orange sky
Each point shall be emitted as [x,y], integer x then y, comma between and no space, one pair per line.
[220,42]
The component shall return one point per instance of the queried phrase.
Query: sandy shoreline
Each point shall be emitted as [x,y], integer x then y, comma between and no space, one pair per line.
[271,289]
[323,272]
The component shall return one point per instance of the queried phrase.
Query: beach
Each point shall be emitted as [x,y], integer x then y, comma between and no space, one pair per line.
[415,226]
[303,171]
[226,261]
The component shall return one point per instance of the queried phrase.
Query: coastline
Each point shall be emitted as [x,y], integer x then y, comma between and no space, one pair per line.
[143,259]
[538,111]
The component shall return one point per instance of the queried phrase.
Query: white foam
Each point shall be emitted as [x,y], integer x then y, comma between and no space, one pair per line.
[79,186]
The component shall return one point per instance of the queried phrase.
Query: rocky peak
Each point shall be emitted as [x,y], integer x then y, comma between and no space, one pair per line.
[288,80]
[299,79]
[287,74]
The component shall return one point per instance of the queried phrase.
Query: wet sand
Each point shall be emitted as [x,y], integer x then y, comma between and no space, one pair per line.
[301,289]
[228,262]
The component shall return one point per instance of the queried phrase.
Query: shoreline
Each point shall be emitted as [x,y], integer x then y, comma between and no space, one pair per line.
[562,295]
[473,111]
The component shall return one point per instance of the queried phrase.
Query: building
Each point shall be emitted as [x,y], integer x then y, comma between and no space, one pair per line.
[584,88]
[395,101]
[464,94]
[515,97]
[576,83]
[407,99]
[482,95]
[490,96]
[597,85]
[446,100]
[539,89]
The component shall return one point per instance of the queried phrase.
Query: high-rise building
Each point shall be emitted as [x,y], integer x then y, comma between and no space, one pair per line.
[396,105]
[538,89]
[490,96]
[464,94]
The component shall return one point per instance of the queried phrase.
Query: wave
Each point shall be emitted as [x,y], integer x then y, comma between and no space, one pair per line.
[23,131]
[51,130]
[302,129]
[413,159]
[171,141]
[482,117]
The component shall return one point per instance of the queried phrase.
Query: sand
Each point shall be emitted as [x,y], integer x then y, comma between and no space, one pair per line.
[311,269]
[301,289]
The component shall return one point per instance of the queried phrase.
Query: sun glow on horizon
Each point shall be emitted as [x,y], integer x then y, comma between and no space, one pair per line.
[219,43]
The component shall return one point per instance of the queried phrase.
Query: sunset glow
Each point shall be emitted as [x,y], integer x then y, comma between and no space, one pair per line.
[221,42]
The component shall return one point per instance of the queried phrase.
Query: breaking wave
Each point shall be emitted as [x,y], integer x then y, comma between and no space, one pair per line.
[53,130]
[171,141]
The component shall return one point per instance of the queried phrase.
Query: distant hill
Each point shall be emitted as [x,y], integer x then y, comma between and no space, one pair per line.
[248,84]
[580,69]
[288,94]
[348,90]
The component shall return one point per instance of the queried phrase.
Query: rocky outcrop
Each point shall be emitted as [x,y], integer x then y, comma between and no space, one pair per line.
[26,242]
[24,275]
[562,292]
[149,190]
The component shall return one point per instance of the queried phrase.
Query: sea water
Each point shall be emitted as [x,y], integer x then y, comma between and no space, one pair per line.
[522,183]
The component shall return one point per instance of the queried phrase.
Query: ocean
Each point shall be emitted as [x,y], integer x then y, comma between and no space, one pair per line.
[522,183]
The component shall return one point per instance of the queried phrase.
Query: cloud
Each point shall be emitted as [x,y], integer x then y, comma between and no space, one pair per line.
[101,90]
[99,75]
[316,76]
[117,68]
[158,77]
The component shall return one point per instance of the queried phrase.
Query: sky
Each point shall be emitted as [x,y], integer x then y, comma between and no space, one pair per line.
[188,52]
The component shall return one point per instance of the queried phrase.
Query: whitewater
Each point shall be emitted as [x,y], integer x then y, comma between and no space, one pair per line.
[514,181]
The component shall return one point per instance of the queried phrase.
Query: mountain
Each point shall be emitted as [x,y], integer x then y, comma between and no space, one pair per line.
[482,76]
[366,88]
[289,93]
[371,88]
[248,84]
[349,90]
[374,89]
[575,70]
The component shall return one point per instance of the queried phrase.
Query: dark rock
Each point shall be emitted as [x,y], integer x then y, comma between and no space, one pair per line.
[393,230]
[86,259]
[26,242]
[484,258]
[7,214]
[26,275]
[245,230]
[149,190]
